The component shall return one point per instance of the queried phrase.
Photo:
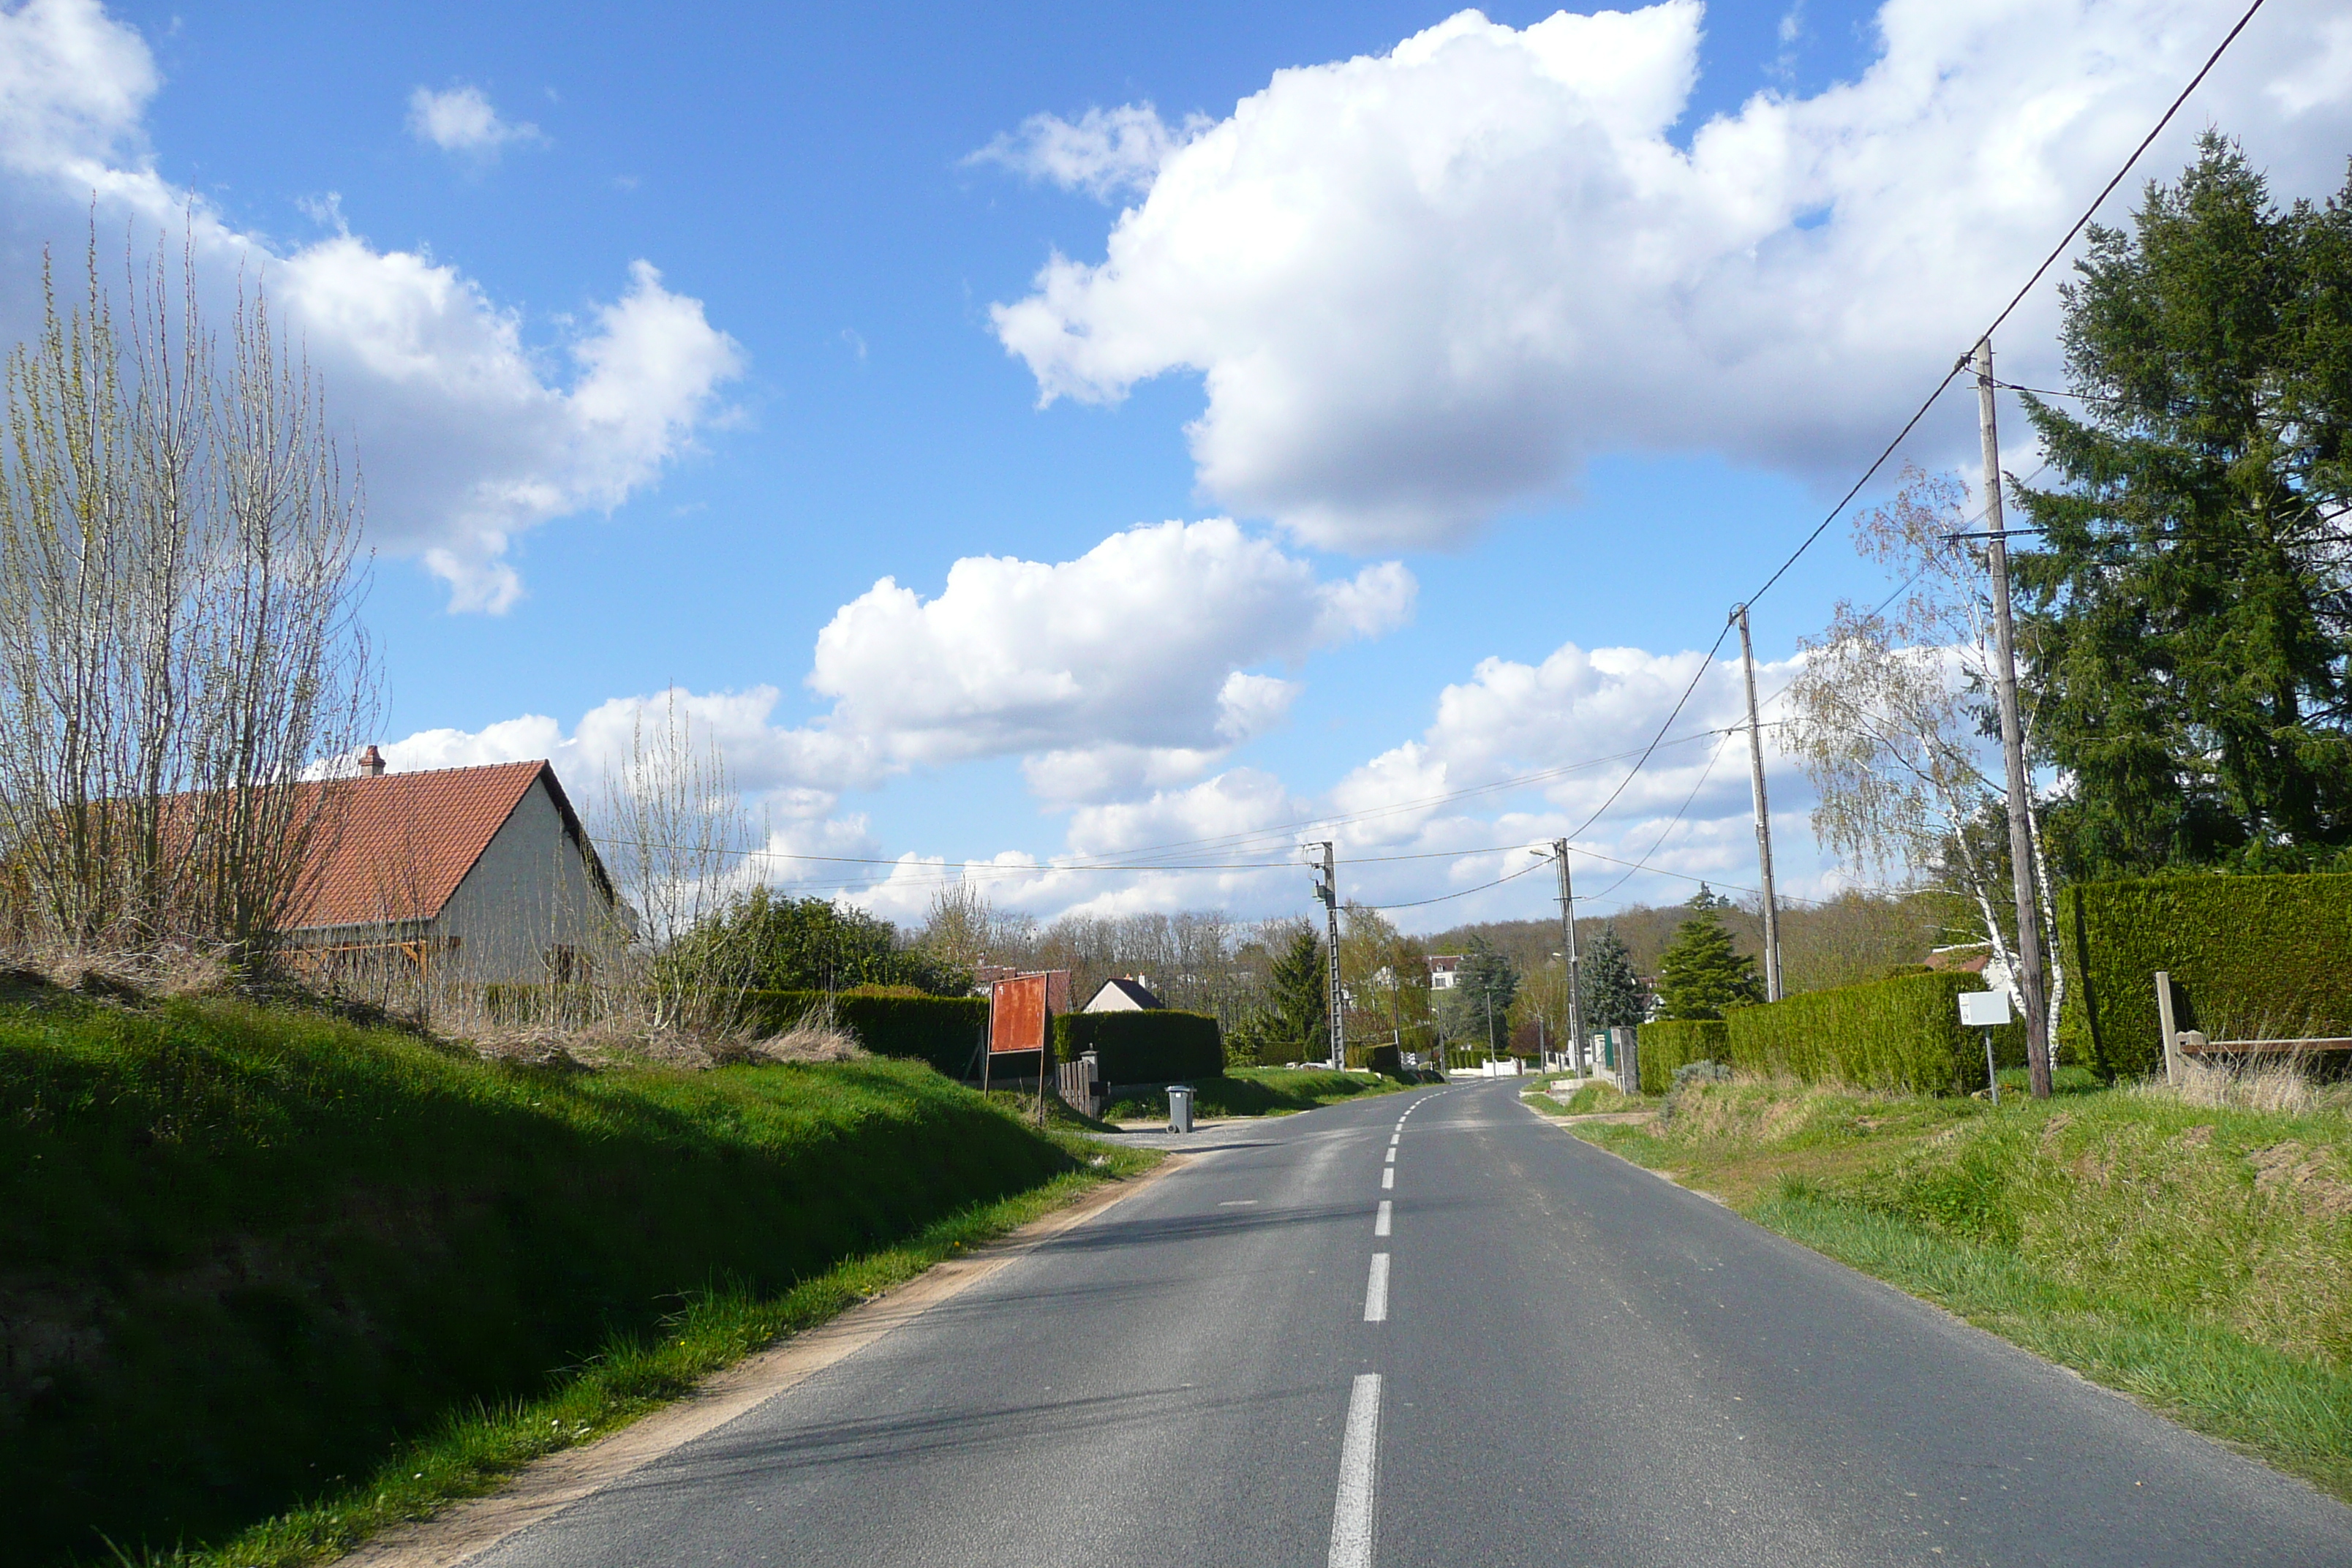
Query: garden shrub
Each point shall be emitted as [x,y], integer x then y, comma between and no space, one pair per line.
[1900,1033]
[2250,957]
[1669,1043]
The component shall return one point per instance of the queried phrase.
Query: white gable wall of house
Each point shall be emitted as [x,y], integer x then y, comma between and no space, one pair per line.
[529,910]
[1116,996]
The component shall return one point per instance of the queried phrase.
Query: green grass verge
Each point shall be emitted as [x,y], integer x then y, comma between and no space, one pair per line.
[1261,1092]
[2197,1258]
[1593,1099]
[248,1253]
[2293,1413]
[475,1452]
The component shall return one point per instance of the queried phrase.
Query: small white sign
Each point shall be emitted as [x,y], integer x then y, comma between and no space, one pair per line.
[1984,1009]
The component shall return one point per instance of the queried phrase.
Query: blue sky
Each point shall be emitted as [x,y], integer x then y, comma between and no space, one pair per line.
[1585,391]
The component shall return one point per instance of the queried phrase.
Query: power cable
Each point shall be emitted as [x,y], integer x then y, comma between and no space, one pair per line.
[2018,298]
[1844,500]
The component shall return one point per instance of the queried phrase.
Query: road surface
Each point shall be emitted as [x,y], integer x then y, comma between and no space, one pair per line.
[1430,1329]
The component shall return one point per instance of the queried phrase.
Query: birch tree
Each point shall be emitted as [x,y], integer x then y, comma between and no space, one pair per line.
[1890,711]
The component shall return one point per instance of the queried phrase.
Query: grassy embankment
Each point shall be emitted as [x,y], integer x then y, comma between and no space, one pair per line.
[2197,1257]
[1261,1092]
[270,1282]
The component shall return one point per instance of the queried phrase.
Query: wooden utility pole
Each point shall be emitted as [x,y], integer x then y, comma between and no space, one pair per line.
[1567,953]
[1327,889]
[2012,744]
[1763,815]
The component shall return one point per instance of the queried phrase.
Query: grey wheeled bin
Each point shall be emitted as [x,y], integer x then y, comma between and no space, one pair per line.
[1180,1107]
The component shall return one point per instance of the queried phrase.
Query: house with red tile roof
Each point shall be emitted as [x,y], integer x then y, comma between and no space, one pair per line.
[477,874]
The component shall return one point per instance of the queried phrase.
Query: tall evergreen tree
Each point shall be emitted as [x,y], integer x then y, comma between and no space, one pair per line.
[1612,992]
[1701,973]
[2189,625]
[1297,1015]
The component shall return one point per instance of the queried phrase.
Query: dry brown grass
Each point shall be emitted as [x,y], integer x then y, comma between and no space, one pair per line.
[129,976]
[2281,1086]
[581,1028]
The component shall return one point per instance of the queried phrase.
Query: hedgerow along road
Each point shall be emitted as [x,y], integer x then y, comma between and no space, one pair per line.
[1432,1328]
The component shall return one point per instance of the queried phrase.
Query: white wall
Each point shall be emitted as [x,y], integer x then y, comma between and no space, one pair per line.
[529,893]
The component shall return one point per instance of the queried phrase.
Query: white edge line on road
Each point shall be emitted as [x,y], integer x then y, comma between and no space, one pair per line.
[1388,1178]
[1375,1291]
[1380,1224]
[1352,1514]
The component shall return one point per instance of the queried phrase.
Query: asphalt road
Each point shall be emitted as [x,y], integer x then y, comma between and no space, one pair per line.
[1542,1355]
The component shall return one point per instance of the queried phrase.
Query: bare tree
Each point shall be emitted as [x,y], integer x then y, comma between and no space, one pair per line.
[963,929]
[676,834]
[179,641]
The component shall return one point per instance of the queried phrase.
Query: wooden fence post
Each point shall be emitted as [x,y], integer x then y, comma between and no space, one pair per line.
[2164,1017]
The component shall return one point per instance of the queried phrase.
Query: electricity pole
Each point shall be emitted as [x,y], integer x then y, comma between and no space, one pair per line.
[1763,815]
[1567,950]
[1327,889]
[2013,745]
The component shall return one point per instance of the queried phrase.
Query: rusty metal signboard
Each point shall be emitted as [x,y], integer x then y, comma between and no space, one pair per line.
[1016,1015]
[1021,1019]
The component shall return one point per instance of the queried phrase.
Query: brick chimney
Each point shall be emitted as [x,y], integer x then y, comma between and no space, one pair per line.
[371,761]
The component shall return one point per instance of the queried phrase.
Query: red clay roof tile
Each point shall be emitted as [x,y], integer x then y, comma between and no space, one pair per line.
[394,847]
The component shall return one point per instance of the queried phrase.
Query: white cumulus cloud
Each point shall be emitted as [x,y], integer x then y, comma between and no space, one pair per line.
[461,120]
[1424,286]
[1119,667]
[1104,152]
[1514,755]
[1133,667]
[464,435]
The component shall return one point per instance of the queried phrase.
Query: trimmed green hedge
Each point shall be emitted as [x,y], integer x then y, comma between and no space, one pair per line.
[1670,1042]
[1900,1033]
[1157,1046]
[2250,957]
[944,1031]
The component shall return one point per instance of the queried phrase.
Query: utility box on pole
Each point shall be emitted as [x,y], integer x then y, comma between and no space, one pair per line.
[1763,815]
[1327,889]
[2012,744]
[1567,954]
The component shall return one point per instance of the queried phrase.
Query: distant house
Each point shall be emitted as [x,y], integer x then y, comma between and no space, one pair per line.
[480,874]
[1124,996]
[1445,970]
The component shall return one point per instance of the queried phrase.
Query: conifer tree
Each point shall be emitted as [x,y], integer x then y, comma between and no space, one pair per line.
[1701,973]
[1297,1018]
[2190,624]
[1612,991]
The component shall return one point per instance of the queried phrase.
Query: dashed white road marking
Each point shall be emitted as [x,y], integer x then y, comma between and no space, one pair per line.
[1381,1222]
[1351,1514]
[1388,1178]
[1391,1158]
[1375,1291]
